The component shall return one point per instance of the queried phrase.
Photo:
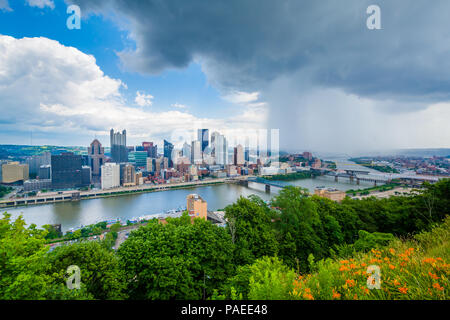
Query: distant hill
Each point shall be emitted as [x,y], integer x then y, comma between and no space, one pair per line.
[444,152]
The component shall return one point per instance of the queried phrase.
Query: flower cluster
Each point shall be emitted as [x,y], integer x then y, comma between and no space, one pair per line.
[405,273]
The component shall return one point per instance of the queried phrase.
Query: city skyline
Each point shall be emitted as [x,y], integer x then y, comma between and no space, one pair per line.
[324,90]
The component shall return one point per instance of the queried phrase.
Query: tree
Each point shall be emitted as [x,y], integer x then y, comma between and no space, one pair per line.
[24,267]
[22,260]
[252,229]
[178,260]
[369,240]
[299,223]
[100,269]
[52,232]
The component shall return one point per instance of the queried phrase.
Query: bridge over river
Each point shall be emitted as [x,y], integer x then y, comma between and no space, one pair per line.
[268,183]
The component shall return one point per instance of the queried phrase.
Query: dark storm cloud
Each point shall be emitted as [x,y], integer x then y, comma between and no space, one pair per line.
[248,43]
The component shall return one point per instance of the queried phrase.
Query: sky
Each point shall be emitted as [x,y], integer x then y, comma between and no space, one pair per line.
[161,69]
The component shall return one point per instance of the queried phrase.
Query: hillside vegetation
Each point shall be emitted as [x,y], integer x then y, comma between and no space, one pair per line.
[296,247]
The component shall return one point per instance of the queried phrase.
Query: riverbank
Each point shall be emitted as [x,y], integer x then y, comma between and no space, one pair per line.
[398,191]
[289,176]
[75,195]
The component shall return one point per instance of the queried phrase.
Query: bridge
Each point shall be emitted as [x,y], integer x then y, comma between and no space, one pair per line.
[267,183]
[359,176]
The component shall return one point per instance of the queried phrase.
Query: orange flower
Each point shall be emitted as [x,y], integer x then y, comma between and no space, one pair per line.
[308,296]
[392,267]
[432,275]
[352,266]
[351,283]
[437,286]
[429,260]
[396,282]
[343,268]
[392,251]
[355,297]
[403,290]
[363,264]
[344,261]
[336,295]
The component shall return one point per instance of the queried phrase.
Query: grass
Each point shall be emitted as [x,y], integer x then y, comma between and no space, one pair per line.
[412,269]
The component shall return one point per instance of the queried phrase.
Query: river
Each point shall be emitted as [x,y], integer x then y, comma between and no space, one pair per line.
[85,212]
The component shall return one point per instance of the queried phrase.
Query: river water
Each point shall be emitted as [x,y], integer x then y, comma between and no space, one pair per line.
[85,212]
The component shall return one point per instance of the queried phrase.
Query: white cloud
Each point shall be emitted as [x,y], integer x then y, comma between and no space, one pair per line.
[143,100]
[240,97]
[41,3]
[62,95]
[179,106]
[4,5]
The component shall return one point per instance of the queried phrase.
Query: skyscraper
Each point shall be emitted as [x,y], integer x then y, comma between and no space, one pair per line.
[186,151]
[66,171]
[34,162]
[110,175]
[128,175]
[138,158]
[152,150]
[203,137]
[196,152]
[119,151]
[96,155]
[239,155]
[220,149]
[168,148]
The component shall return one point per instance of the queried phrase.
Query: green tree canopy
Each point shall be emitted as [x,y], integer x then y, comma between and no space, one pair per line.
[178,260]
[250,222]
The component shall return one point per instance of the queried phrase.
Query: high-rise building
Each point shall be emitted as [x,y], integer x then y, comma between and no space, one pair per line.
[168,148]
[196,207]
[45,172]
[35,161]
[110,177]
[203,137]
[213,143]
[196,152]
[152,150]
[119,152]
[150,167]
[138,158]
[220,149]
[239,155]
[186,150]
[158,164]
[86,175]
[66,171]
[13,172]
[128,175]
[96,155]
